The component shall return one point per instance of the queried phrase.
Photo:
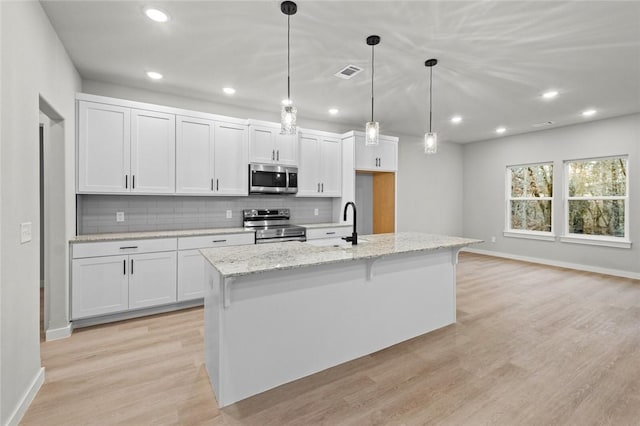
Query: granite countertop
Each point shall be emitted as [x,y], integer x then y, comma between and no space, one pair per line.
[244,260]
[94,238]
[324,225]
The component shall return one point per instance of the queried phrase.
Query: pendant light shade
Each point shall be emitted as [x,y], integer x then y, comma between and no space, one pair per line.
[288,113]
[372,128]
[431,137]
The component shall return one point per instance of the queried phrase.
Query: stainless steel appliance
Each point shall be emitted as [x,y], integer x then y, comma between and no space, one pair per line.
[272,179]
[272,225]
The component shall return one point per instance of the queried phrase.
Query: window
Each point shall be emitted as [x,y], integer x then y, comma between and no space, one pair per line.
[529,201]
[597,201]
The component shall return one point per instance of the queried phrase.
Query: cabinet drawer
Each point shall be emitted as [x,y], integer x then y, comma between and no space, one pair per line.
[219,240]
[110,248]
[333,232]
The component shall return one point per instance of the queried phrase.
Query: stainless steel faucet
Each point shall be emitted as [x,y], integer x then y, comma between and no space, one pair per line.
[353,239]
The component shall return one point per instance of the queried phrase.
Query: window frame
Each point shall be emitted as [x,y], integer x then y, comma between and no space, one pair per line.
[598,240]
[523,233]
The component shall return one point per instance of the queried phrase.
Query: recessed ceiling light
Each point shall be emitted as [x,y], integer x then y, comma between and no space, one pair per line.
[229,90]
[333,111]
[550,94]
[588,113]
[156,15]
[456,119]
[154,75]
[501,130]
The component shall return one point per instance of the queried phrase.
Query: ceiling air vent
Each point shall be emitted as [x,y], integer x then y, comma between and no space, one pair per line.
[348,72]
[543,124]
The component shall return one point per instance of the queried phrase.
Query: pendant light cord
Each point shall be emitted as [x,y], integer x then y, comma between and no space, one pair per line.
[430,96]
[288,59]
[372,74]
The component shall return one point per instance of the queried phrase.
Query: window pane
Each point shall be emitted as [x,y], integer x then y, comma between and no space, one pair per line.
[532,181]
[597,217]
[531,215]
[596,178]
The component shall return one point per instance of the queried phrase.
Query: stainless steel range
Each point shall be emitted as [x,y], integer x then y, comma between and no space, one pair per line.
[272,225]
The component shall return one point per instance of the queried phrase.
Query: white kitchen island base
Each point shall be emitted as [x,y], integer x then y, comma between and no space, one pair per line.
[264,329]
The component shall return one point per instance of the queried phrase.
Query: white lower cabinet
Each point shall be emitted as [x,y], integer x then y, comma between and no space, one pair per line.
[152,279]
[111,277]
[191,264]
[329,232]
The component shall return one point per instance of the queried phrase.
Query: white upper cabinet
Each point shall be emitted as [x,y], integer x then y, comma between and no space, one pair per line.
[212,157]
[153,147]
[320,170]
[381,158]
[267,145]
[104,141]
[121,149]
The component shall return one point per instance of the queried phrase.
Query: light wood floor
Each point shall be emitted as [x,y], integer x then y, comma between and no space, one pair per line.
[533,345]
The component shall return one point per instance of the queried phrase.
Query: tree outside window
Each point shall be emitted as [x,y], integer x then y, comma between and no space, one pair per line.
[530,198]
[597,197]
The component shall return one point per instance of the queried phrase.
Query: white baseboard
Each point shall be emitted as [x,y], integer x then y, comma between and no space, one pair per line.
[576,266]
[58,333]
[27,399]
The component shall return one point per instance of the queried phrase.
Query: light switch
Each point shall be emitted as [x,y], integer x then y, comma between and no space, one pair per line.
[229,215]
[119,216]
[315,212]
[25,232]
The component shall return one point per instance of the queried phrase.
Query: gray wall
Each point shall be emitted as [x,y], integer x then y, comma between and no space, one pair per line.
[34,65]
[484,188]
[364,201]
[97,213]
[429,188]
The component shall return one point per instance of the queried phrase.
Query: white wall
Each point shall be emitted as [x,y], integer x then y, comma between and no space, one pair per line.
[429,187]
[484,189]
[34,64]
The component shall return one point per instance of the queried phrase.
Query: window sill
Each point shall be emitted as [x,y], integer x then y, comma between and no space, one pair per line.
[530,235]
[595,241]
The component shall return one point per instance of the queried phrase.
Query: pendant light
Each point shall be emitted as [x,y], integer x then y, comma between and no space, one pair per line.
[430,138]
[372,128]
[288,114]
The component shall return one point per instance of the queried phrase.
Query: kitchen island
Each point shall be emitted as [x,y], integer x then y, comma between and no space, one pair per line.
[277,312]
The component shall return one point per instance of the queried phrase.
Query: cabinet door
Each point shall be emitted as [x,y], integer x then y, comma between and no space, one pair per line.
[231,159]
[191,275]
[286,149]
[308,179]
[387,156]
[366,156]
[330,167]
[152,279]
[103,148]
[262,144]
[99,286]
[194,155]
[153,149]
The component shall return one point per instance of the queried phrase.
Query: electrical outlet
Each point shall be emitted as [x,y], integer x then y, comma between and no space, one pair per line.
[229,214]
[119,216]
[493,239]
[25,232]
[316,212]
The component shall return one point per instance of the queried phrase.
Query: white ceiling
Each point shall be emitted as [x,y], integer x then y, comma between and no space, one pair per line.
[495,58]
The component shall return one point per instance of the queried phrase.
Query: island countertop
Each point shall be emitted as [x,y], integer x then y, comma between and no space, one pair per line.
[245,260]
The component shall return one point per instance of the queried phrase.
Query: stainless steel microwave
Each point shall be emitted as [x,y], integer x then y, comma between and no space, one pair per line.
[272,179]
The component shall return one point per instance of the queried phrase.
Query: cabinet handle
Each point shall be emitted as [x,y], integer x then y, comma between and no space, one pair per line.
[126,181]
[128,247]
[124,267]
[318,187]
[329,233]
[322,186]
[219,241]
[379,162]
[278,155]
[217,184]
[131,266]
[273,155]
[133,181]
[212,184]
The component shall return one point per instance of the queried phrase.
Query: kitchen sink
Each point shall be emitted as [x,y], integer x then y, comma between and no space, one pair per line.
[333,242]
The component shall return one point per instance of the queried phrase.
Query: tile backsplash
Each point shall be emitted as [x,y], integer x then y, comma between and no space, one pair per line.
[96,214]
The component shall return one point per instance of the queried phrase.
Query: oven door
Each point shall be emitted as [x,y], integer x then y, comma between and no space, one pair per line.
[268,178]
